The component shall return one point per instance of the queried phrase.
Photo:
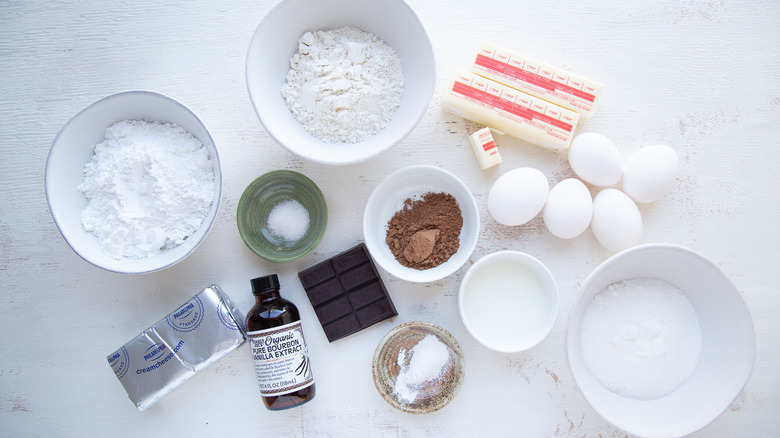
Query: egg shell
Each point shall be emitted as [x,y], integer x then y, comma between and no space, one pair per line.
[650,173]
[569,209]
[518,196]
[595,159]
[616,223]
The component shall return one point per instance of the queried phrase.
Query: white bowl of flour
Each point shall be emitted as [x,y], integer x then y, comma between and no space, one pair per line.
[377,86]
[660,341]
[133,182]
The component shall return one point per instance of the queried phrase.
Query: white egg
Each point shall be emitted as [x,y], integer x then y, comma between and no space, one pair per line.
[569,209]
[595,159]
[649,173]
[616,223]
[517,196]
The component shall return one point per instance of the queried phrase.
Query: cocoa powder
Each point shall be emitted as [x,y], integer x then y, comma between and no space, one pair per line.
[435,211]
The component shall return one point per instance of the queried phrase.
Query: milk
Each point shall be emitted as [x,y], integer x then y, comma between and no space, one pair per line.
[504,301]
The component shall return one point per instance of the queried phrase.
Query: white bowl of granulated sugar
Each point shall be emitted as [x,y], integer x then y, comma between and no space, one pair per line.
[660,341]
[340,81]
[133,182]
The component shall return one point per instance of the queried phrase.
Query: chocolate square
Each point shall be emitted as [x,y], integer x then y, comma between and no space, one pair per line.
[356,277]
[347,293]
[373,313]
[366,295]
[312,276]
[323,292]
[349,259]
[333,310]
[342,327]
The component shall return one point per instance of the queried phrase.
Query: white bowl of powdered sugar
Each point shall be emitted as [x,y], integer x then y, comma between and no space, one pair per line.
[133,182]
[660,341]
[340,81]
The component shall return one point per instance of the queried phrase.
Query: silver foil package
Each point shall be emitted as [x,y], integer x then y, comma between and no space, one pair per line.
[199,333]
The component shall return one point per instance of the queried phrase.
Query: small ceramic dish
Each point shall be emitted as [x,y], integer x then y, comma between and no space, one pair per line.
[433,394]
[411,183]
[508,301]
[258,201]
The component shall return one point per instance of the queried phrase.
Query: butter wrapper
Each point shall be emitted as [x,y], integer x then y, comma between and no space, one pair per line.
[205,329]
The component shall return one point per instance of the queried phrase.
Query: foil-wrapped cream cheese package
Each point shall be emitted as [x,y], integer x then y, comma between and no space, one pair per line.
[164,356]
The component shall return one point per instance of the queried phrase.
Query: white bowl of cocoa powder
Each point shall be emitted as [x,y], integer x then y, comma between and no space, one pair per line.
[421,224]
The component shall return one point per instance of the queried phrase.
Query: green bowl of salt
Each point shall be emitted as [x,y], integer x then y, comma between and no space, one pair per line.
[282,216]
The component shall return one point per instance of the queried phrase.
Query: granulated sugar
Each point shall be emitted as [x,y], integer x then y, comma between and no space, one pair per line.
[150,186]
[344,85]
[429,359]
[641,338]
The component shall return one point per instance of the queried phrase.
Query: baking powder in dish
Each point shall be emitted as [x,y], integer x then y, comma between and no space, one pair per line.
[430,359]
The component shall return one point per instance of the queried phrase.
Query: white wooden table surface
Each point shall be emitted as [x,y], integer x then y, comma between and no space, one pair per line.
[701,76]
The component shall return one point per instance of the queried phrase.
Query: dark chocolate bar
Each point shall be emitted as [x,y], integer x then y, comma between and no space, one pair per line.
[347,293]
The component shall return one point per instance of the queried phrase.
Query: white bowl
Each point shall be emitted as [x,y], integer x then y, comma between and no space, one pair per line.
[727,352]
[276,41]
[388,198]
[73,147]
[508,301]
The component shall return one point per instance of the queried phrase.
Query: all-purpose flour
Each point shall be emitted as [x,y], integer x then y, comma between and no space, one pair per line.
[150,185]
[344,85]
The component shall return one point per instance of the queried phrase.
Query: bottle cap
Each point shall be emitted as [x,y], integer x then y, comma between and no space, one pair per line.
[265,284]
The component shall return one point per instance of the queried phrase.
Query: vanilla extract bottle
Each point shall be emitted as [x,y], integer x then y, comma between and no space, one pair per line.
[278,347]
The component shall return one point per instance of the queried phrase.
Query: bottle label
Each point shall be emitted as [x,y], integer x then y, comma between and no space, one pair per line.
[281,359]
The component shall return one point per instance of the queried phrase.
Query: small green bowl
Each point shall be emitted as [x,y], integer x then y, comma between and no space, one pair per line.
[259,199]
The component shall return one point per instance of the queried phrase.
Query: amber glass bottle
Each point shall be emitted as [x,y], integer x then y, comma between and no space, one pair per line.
[278,347]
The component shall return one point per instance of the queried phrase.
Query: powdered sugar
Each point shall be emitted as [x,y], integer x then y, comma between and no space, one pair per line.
[344,85]
[150,185]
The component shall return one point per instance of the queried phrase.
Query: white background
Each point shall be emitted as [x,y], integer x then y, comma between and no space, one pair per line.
[700,76]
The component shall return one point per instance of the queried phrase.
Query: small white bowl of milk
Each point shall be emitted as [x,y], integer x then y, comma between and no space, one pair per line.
[508,301]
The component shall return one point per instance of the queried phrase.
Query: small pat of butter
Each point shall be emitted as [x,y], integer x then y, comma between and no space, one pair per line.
[485,148]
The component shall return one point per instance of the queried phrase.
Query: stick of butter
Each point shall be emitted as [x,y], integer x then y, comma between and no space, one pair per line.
[537,78]
[485,148]
[508,110]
